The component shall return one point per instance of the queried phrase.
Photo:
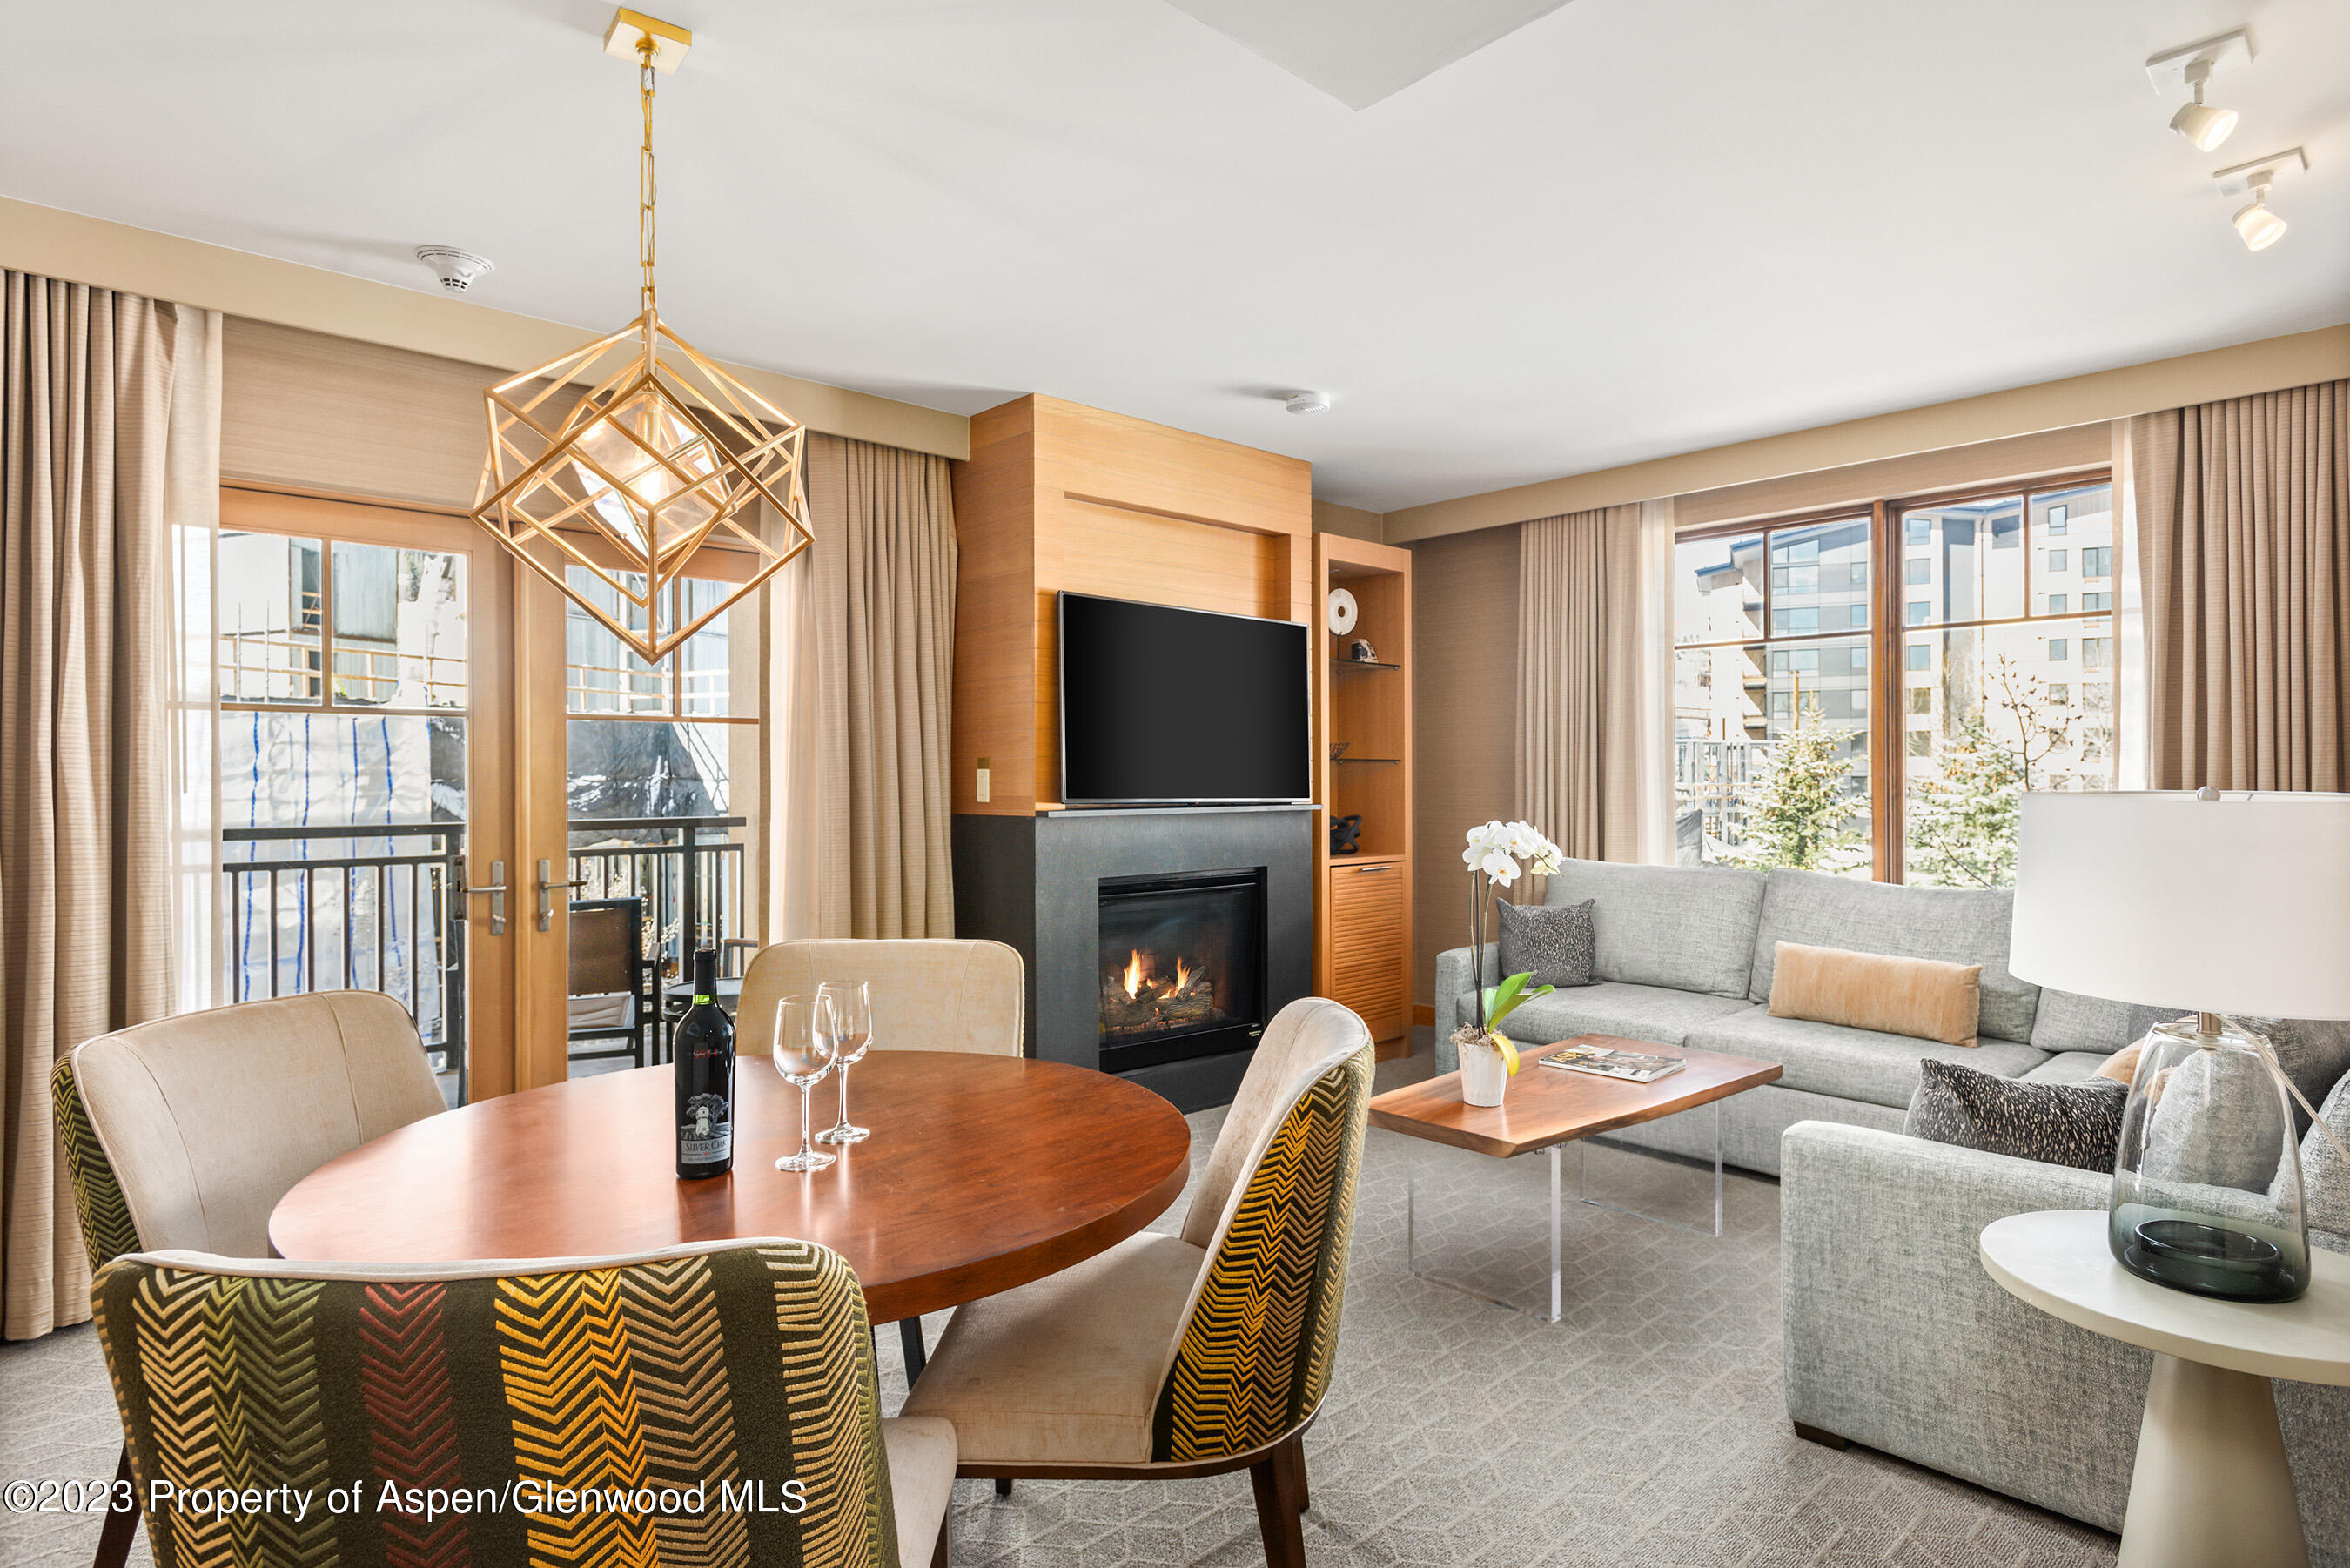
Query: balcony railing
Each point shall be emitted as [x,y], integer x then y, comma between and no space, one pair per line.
[376,907]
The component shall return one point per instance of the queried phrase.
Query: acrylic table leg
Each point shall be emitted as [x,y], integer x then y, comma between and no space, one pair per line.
[1411,1210]
[1716,1167]
[1554,1235]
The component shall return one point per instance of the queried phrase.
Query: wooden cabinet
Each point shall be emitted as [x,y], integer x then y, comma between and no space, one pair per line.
[1363,712]
[1371,943]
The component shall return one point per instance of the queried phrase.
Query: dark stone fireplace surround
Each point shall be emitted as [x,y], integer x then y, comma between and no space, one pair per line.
[1033,883]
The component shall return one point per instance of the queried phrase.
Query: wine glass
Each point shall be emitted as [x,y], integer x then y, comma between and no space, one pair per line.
[849,1013]
[803,1047]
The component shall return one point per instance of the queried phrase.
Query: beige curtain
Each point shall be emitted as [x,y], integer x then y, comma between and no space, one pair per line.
[1580,680]
[92,385]
[2243,538]
[861,682]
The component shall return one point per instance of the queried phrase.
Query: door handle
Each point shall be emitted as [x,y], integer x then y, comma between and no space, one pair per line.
[495,887]
[546,894]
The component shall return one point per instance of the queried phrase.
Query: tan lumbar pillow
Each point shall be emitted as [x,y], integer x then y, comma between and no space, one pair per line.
[1923,998]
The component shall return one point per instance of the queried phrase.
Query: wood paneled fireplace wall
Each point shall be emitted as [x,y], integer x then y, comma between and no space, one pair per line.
[1056,496]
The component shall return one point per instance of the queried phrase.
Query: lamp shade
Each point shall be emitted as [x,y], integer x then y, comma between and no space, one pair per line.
[2235,904]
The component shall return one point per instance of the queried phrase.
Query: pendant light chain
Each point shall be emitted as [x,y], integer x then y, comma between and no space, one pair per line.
[645,190]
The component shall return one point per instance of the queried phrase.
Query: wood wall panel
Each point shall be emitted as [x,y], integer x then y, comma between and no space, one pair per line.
[1464,676]
[1057,496]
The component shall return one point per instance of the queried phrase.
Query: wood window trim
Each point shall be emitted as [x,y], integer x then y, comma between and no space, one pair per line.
[1887,634]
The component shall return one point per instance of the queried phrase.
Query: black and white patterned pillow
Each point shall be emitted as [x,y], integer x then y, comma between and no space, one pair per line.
[2057,1124]
[1556,941]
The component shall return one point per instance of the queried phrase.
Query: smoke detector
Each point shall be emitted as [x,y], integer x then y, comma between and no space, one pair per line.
[1307,403]
[456,269]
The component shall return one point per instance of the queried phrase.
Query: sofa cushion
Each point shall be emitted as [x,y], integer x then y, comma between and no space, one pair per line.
[1552,942]
[1925,999]
[2067,1020]
[1651,1013]
[1956,925]
[2079,1125]
[2068,1067]
[1689,928]
[2325,1178]
[1854,1064]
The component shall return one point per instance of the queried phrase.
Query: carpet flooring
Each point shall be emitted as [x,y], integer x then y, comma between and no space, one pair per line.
[1644,1428]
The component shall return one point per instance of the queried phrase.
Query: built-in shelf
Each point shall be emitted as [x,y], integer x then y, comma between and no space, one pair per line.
[1344,760]
[1363,664]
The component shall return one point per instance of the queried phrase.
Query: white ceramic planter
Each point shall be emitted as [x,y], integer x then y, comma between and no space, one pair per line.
[1484,1076]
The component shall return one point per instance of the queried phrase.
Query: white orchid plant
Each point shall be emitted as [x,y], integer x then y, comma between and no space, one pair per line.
[1498,853]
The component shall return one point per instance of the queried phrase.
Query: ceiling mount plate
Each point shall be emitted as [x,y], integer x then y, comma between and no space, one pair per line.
[2223,52]
[2237,178]
[670,41]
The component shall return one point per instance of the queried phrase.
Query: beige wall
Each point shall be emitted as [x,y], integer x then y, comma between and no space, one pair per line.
[68,245]
[1464,636]
[1329,517]
[2049,406]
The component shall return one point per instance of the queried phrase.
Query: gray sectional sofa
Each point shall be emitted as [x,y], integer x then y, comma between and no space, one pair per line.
[1895,1337]
[1684,959]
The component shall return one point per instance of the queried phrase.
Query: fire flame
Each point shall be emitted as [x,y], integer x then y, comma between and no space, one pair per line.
[1133,977]
[1138,982]
[1182,974]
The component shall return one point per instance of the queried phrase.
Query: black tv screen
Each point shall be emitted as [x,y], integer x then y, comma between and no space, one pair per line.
[1177,705]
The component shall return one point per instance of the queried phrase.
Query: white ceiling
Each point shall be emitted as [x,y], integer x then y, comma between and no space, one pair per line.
[1630,228]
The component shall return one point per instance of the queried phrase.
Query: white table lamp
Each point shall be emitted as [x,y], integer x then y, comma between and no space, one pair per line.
[2219,904]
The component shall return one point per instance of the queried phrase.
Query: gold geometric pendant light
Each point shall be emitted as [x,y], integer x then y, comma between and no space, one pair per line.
[630,453]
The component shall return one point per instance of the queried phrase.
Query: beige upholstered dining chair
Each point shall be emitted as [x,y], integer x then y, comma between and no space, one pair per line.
[1194,1354]
[186,1132]
[729,1385]
[928,995]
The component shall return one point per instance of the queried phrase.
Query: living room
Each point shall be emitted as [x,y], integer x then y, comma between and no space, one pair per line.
[1504,782]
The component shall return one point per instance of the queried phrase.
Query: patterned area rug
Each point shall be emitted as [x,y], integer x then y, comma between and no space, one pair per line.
[1644,1428]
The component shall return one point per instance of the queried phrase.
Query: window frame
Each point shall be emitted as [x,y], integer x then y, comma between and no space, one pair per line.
[1888,632]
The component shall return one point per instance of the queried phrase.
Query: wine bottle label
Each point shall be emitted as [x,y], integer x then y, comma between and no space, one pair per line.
[707,1134]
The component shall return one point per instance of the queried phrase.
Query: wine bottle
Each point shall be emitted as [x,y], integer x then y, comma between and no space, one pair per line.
[702,1049]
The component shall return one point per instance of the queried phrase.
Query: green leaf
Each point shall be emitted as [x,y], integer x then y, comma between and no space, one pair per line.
[1506,998]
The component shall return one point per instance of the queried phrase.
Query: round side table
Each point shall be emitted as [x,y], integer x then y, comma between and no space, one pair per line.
[2211,1484]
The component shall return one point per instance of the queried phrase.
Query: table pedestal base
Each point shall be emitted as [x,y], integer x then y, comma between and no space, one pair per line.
[2211,1484]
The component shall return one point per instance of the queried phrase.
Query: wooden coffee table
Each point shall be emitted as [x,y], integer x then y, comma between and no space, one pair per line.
[1547,1109]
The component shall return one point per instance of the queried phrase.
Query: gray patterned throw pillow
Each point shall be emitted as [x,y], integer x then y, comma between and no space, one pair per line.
[2057,1124]
[1556,941]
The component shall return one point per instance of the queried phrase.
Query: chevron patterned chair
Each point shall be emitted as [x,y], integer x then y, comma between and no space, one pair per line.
[928,994]
[186,1132]
[703,1405]
[1189,1355]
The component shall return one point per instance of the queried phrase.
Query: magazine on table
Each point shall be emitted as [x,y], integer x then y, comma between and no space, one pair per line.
[1606,1062]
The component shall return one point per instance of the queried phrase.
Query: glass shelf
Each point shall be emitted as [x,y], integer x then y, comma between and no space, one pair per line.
[1363,664]
[1345,760]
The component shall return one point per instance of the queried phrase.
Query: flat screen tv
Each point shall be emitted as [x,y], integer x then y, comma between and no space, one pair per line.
[1163,706]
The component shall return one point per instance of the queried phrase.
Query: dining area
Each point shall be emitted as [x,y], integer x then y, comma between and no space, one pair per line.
[344,1320]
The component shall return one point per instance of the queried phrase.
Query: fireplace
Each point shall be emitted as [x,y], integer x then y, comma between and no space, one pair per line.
[1181,966]
[1212,906]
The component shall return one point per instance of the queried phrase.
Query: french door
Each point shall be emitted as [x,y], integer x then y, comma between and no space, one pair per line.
[366,744]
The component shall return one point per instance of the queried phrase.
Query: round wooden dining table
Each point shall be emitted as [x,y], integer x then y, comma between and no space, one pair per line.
[982,1173]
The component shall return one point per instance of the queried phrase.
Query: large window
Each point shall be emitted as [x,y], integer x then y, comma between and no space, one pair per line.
[1770,695]
[1834,716]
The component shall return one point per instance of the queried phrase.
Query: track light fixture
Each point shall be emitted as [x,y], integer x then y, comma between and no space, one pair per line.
[2204,127]
[2190,66]
[2258,226]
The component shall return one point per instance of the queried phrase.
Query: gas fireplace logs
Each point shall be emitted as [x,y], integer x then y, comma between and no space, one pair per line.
[1135,1000]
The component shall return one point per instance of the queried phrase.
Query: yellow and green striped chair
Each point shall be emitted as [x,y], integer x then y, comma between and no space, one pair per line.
[1189,1355]
[186,1132]
[702,1406]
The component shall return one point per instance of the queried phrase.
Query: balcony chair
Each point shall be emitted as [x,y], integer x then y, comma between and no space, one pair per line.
[1169,1358]
[728,1364]
[928,995]
[611,994]
[186,1132]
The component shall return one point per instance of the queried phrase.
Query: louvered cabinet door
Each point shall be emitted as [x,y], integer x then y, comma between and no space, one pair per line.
[1370,945]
